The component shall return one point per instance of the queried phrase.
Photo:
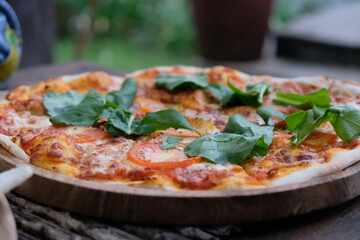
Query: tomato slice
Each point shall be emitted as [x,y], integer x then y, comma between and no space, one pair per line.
[86,134]
[151,155]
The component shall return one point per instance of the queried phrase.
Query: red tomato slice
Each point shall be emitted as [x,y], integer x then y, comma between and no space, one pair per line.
[151,155]
[86,134]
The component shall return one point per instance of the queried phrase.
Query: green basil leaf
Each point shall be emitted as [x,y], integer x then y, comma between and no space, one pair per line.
[303,122]
[254,93]
[106,113]
[162,120]
[170,142]
[319,110]
[345,121]
[175,82]
[318,98]
[266,113]
[122,123]
[125,96]
[261,147]
[56,103]
[240,125]
[222,148]
[296,120]
[225,94]
[85,113]
[234,96]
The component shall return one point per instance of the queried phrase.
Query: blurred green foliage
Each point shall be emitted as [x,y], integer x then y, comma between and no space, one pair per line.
[160,28]
[115,53]
[133,34]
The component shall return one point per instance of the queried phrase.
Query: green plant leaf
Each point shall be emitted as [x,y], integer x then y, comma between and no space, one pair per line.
[304,123]
[85,113]
[241,139]
[238,124]
[234,96]
[162,120]
[318,98]
[222,148]
[296,120]
[122,123]
[125,96]
[175,82]
[223,93]
[56,103]
[170,142]
[344,119]
[254,93]
[266,113]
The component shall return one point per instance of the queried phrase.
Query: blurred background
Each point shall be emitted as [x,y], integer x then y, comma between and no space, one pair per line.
[134,34]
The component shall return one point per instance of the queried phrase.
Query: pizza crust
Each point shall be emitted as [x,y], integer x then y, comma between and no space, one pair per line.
[189,69]
[339,161]
[322,82]
[14,149]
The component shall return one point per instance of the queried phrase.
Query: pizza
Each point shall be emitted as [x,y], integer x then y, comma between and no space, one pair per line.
[185,128]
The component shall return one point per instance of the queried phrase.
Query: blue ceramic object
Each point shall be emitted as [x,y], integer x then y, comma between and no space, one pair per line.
[10,43]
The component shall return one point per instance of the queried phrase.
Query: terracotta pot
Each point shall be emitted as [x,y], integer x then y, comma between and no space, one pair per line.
[231,29]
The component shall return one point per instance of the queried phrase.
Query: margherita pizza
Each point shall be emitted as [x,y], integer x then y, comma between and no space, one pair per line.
[185,128]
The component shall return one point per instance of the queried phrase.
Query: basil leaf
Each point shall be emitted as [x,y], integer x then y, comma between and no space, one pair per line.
[56,102]
[241,139]
[125,96]
[162,120]
[254,93]
[234,96]
[240,125]
[318,98]
[170,142]
[225,94]
[304,123]
[105,114]
[319,110]
[222,148]
[85,113]
[175,82]
[296,120]
[266,113]
[123,121]
[344,119]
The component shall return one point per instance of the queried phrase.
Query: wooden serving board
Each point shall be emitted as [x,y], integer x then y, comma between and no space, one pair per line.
[157,206]
[7,222]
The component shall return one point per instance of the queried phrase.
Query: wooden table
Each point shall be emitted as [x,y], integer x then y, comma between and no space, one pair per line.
[40,222]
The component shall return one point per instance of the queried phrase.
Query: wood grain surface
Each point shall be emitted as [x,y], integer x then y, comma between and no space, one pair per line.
[7,223]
